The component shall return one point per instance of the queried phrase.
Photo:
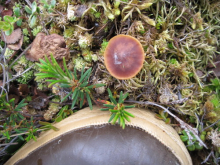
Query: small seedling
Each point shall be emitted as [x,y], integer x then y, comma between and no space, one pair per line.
[163,116]
[8,24]
[191,142]
[33,11]
[117,109]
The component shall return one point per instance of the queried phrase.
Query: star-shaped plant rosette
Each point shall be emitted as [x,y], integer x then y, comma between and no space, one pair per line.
[80,88]
[117,109]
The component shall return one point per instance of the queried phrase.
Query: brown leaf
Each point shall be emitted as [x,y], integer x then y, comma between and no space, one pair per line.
[6,12]
[16,46]
[14,37]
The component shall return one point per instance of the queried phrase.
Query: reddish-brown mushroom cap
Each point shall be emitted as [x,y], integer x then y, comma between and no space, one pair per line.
[124,56]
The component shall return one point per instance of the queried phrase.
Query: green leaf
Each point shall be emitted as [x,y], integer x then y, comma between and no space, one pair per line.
[53,3]
[82,71]
[125,96]
[56,65]
[85,75]
[83,84]
[56,81]
[66,96]
[113,111]
[33,21]
[75,99]
[129,106]
[20,105]
[66,69]
[191,147]
[109,106]
[81,99]
[113,100]
[8,32]
[129,114]
[17,12]
[198,147]
[184,138]
[19,22]
[115,118]
[112,116]
[89,101]
[104,109]
[75,74]
[8,19]
[167,121]
[58,119]
[75,92]
[34,7]
[27,9]
[120,101]
[126,117]
[4,25]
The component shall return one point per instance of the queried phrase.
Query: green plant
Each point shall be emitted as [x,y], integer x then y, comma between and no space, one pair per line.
[33,11]
[53,73]
[13,111]
[8,24]
[63,113]
[117,109]
[163,116]
[47,126]
[17,13]
[215,86]
[49,7]
[12,116]
[191,141]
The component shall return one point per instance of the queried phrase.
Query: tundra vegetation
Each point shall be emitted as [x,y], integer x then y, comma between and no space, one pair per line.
[52,65]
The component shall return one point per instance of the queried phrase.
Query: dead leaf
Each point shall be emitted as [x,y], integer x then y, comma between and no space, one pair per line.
[16,46]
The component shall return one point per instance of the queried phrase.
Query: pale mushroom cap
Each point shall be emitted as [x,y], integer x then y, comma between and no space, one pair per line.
[124,56]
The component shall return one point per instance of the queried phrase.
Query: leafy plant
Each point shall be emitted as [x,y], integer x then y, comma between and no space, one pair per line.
[117,109]
[63,113]
[47,126]
[215,86]
[191,142]
[33,11]
[13,118]
[29,129]
[8,24]
[163,116]
[52,72]
[47,6]
[12,110]
[17,13]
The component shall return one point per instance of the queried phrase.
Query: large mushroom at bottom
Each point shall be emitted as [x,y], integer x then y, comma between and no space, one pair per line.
[86,138]
[124,56]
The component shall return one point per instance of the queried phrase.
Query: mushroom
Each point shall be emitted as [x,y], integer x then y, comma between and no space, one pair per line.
[46,45]
[124,56]
[87,138]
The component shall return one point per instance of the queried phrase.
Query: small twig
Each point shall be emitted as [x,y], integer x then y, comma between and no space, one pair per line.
[192,32]
[23,133]
[5,144]
[29,3]
[20,74]
[211,125]
[207,158]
